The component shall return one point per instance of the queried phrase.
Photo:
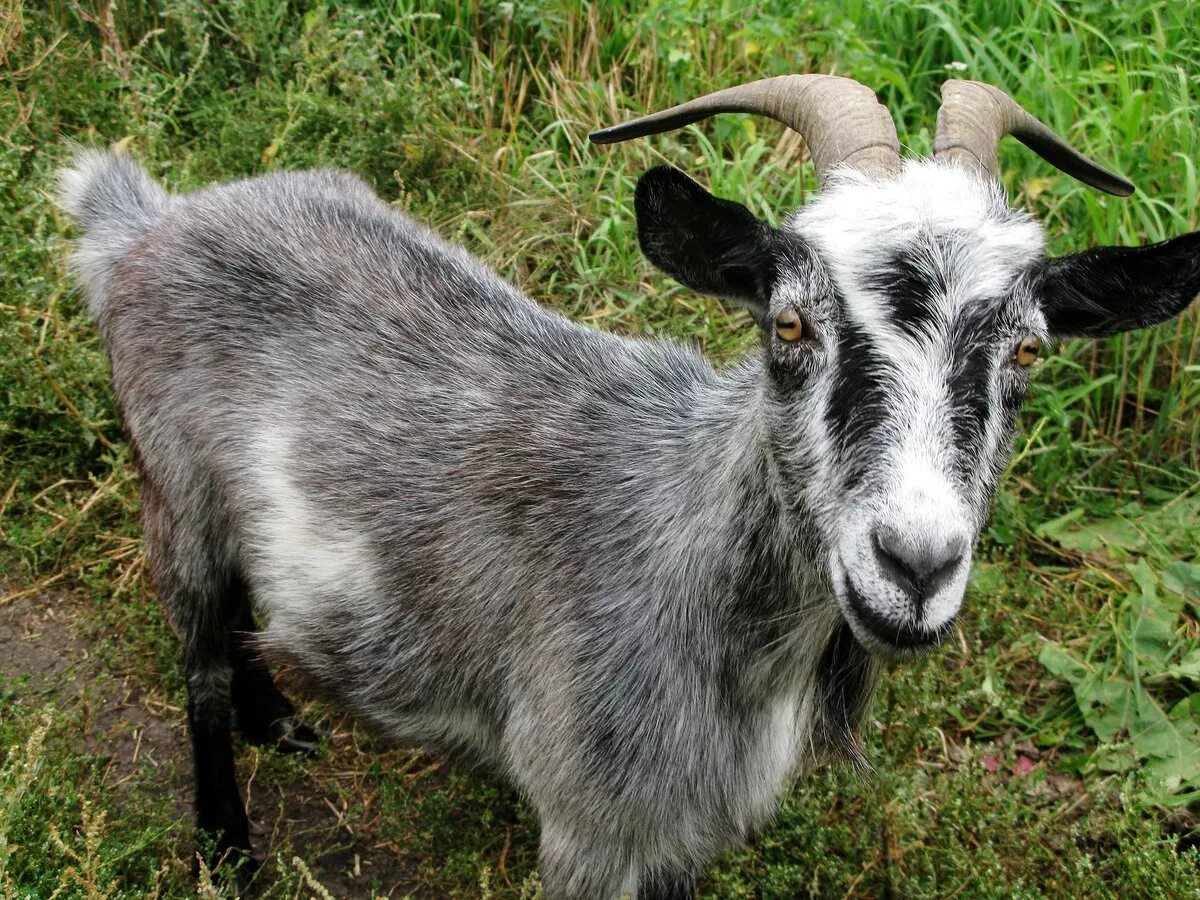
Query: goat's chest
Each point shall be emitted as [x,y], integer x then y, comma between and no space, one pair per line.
[771,756]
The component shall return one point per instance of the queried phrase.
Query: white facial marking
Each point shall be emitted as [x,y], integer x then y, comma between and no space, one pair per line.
[964,248]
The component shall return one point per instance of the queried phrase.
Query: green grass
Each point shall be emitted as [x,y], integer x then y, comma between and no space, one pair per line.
[997,771]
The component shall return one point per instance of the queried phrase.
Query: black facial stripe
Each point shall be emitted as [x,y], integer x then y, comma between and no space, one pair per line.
[911,287]
[857,404]
[970,401]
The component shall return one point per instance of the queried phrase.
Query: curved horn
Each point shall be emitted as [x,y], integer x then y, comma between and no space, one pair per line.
[839,119]
[973,119]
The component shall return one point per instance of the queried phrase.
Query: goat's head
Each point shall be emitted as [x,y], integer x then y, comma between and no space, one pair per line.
[901,312]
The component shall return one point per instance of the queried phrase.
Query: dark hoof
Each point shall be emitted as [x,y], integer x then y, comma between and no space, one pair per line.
[290,736]
[230,870]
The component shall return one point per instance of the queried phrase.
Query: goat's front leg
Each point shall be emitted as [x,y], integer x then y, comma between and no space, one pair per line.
[580,866]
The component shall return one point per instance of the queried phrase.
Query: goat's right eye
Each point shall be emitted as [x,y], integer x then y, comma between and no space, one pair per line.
[789,326]
[1027,352]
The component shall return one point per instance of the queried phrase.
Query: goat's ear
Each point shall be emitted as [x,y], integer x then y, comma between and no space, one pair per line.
[713,246]
[1108,290]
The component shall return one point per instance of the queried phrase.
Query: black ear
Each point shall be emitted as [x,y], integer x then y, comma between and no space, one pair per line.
[713,246]
[1108,290]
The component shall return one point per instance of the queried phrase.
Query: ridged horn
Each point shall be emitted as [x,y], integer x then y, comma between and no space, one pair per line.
[841,120]
[975,116]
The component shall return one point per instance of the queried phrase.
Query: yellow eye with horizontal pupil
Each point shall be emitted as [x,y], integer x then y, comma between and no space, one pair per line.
[789,326]
[1027,352]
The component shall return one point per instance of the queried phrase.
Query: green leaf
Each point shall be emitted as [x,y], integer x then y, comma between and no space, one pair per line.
[1120,758]
[1112,685]
[1063,525]
[1144,577]
[1187,667]
[1183,578]
[1172,529]
[1151,620]
[1187,708]
[1108,706]
[1094,536]
[1064,664]
[1171,747]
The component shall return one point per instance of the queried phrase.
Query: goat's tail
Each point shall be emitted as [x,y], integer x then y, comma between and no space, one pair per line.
[113,200]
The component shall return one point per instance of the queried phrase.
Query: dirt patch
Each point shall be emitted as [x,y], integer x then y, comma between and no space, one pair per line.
[307,816]
[36,644]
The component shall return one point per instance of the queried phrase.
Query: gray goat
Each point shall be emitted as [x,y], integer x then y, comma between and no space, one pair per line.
[645,591]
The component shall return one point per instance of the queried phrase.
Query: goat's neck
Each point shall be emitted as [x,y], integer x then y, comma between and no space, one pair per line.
[780,630]
[755,552]
[738,591]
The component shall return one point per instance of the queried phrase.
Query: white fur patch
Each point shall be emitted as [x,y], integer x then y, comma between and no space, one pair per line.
[301,553]
[773,757]
[856,217]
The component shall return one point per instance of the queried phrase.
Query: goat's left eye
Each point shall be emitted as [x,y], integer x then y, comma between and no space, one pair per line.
[1027,352]
[789,326]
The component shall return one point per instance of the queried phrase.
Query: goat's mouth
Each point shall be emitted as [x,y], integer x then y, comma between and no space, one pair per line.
[884,636]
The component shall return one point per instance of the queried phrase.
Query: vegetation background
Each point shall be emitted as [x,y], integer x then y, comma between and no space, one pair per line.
[1052,748]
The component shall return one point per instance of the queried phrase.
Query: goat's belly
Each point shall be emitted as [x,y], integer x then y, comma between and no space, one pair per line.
[461,731]
[316,581]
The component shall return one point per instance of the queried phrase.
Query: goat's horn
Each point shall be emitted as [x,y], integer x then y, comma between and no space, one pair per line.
[841,120]
[973,119]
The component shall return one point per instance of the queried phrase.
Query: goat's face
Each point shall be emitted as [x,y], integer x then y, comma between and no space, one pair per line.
[900,318]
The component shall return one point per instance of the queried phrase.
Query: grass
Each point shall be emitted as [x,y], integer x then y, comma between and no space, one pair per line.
[997,773]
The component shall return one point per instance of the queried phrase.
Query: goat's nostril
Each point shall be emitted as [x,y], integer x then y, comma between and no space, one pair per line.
[893,565]
[920,569]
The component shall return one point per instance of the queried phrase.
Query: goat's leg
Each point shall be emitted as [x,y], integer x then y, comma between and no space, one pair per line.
[193,584]
[262,713]
[663,884]
[575,868]
[222,827]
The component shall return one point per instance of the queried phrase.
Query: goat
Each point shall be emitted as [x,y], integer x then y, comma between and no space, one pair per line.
[646,592]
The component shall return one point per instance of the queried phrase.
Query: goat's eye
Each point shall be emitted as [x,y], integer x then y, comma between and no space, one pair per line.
[789,326]
[1027,352]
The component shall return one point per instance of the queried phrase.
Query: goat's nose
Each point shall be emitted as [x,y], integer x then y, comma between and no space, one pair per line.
[919,567]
